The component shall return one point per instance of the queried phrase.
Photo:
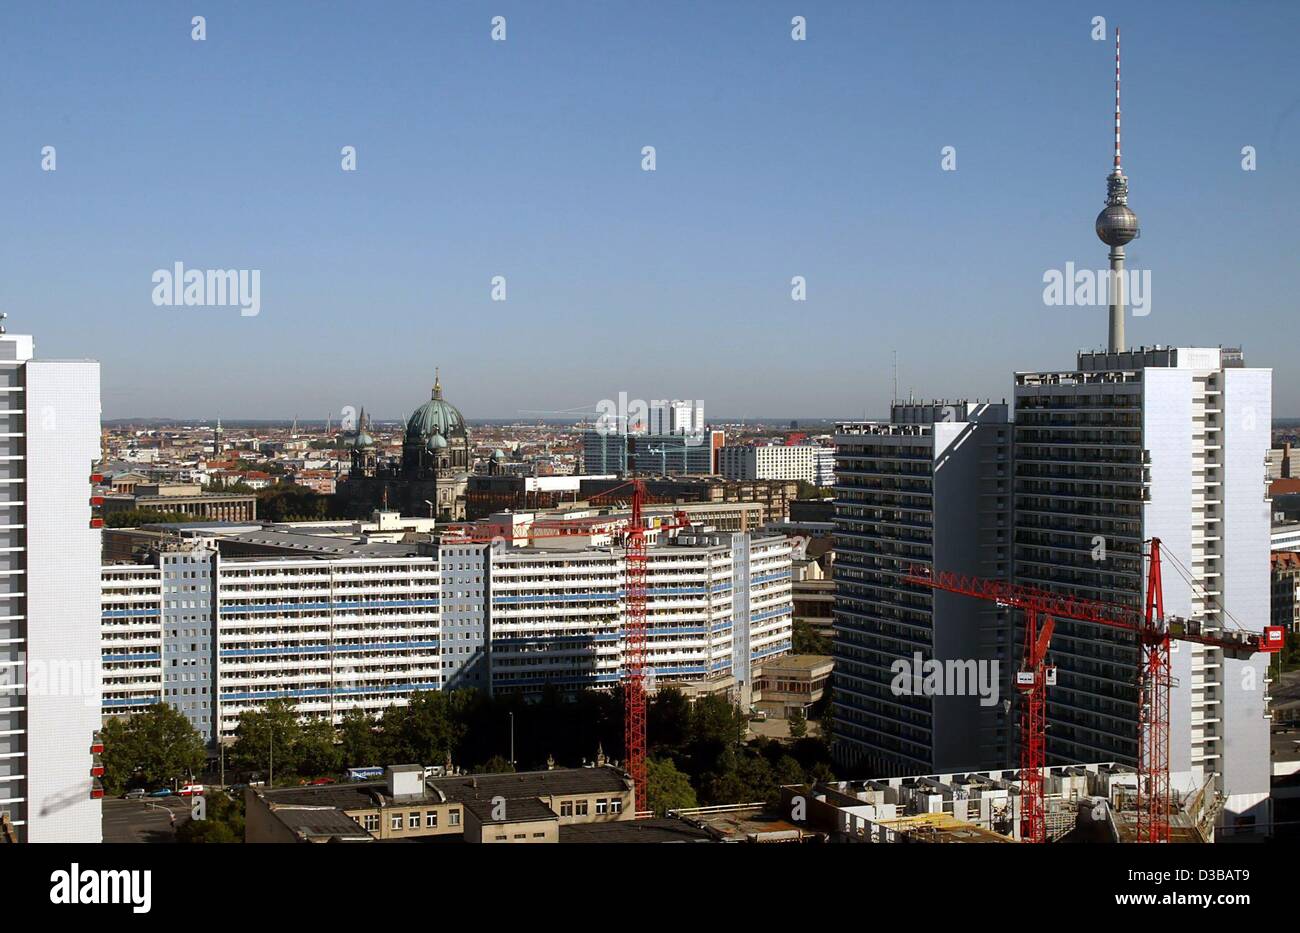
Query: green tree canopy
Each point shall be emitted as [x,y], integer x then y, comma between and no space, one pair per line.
[667,788]
[154,748]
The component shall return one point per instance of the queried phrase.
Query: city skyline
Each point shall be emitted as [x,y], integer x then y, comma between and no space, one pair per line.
[478,158]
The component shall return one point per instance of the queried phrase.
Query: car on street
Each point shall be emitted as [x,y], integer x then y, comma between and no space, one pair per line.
[161,792]
[135,793]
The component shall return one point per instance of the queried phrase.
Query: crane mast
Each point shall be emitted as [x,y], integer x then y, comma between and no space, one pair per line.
[634,646]
[1153,631]
[635,626]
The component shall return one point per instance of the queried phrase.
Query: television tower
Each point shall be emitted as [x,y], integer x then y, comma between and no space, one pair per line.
[1117,225]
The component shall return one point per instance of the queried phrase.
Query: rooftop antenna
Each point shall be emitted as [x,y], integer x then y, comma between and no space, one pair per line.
[895,398]
[1116,226]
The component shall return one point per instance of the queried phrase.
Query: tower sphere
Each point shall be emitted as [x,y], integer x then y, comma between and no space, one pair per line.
[1116,225]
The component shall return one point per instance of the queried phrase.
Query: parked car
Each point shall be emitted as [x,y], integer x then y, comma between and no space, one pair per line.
[320,781]
[135,793]
[160,792]
[192,790]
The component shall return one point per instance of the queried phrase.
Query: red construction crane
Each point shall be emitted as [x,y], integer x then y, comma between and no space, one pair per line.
[635,628]
[1153,632]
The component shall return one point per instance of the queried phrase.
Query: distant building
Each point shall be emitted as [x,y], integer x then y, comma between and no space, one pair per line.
[1286,590]
[604,452]
[429,478]
[772,461]
[669,455]
[676,417]
[187,498]
[1279,461]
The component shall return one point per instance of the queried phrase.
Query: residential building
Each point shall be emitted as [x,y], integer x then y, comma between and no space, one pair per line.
[49,594]
[770,461]
[330,631]
[931,488]
[1166,442]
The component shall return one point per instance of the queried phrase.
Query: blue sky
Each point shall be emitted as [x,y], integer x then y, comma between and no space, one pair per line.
[522,158]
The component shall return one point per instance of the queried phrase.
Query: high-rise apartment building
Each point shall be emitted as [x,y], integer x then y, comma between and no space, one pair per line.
[49,595]
[1162,442]
[216,636]
[931,488]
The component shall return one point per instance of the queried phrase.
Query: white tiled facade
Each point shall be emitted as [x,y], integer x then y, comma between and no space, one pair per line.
[1170,443]
[49,594]
[770,461]
[337,634]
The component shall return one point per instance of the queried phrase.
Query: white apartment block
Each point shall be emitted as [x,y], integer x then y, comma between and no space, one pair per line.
[49,593]
[823,465]
[1171,443]
[769,461]
[715,605]
[929,488]
[330,635]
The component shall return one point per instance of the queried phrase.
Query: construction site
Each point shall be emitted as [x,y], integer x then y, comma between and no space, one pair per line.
[1094,803]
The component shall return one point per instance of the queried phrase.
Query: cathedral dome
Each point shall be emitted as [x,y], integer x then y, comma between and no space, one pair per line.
[437,442]
[436,417]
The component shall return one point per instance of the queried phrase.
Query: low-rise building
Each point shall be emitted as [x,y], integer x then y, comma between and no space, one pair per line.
[529,807]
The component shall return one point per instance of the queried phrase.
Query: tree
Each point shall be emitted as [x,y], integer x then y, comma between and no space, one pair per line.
[788,771]
[223,821]
[428,731]
[267,740]
[798,723]
[167,746]
[716,720]
[358,740]
[807,641]
[666,787]
[289,501]
[668,719]
[497,764]
[134,518]
[316,753]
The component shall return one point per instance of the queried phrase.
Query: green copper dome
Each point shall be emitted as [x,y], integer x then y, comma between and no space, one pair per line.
[436,417]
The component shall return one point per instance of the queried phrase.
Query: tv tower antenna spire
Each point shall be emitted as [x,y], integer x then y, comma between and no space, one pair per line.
[1116,226]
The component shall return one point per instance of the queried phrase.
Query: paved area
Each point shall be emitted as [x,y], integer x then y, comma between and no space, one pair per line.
[779,728]
[147,820]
